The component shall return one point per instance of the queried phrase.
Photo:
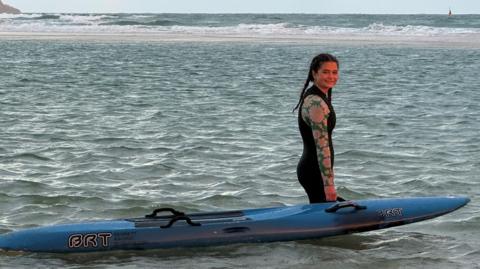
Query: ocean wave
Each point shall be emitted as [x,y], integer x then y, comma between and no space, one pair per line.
[247,29]
[183,24]
[382,29]
[32,17]
[143,23]
[28,157]
[416,29]
[48,17]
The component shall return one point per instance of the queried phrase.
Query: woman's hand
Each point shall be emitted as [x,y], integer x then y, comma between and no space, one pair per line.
[330,193]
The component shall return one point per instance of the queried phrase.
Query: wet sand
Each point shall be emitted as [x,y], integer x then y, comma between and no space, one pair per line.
[455,41]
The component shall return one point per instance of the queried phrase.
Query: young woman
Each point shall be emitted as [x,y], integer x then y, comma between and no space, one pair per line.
[316,120]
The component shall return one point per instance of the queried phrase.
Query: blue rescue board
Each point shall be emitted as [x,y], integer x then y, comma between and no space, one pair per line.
[167,228]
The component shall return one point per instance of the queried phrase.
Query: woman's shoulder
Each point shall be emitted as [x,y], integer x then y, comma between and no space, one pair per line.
[314,110]
[313,99]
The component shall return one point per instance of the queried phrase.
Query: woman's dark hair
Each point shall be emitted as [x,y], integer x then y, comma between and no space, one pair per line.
[316,64]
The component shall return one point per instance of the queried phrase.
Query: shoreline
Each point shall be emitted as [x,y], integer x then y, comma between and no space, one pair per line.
[453,41]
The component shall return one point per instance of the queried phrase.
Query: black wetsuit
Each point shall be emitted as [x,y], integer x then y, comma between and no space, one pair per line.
[308,170]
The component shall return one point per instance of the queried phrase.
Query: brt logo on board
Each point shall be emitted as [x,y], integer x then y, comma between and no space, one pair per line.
[89,240]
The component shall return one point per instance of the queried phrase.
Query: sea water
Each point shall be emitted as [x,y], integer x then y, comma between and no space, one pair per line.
[110,115]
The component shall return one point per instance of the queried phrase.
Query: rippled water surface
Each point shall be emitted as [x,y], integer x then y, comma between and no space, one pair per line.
[95,130]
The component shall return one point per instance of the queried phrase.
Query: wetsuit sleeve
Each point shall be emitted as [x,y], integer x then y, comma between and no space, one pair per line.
[315,113]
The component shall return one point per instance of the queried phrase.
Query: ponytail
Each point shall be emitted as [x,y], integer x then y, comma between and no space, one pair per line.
[305,86]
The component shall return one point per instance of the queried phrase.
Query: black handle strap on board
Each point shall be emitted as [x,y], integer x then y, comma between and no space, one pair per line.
[176,216]
[345,204]
[155,212]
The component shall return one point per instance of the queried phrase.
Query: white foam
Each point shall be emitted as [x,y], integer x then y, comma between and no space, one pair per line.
[99,23]
[379,28]
[93,20]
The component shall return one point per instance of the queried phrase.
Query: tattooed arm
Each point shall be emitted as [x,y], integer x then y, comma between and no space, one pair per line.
[315,113]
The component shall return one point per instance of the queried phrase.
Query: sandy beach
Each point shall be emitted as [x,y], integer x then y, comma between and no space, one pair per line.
[458,41]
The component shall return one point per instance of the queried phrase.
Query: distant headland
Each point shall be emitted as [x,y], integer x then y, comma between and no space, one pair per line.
[8,9]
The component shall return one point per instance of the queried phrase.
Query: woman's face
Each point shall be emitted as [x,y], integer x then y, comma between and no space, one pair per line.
[326,76]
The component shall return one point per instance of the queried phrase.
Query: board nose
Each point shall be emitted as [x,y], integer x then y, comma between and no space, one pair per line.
[463,200]
[457,202]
